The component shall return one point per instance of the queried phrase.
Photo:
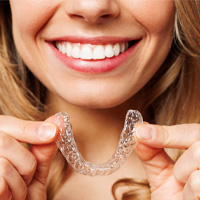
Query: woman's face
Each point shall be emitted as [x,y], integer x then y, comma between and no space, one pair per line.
[93,53]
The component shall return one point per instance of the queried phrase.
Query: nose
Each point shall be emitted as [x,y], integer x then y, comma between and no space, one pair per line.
[93,11]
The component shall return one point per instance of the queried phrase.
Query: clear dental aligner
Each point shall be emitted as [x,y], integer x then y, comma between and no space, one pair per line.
[67,145]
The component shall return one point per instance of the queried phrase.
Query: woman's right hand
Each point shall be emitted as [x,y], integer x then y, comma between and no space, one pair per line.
[23,172]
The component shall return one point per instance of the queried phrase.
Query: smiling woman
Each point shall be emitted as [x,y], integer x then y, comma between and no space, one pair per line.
[79,28]
[95,60]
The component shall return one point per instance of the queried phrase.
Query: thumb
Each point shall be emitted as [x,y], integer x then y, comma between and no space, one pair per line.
[44,155]
[157,164]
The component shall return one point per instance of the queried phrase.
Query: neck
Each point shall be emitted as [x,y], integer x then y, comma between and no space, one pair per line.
[96,131]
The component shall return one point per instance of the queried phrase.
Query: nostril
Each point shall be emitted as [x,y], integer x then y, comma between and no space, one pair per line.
[92,11]
[92,19]
[75,16]
[106,16]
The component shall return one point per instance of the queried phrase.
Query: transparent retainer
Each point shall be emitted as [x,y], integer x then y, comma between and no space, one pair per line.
[67,145]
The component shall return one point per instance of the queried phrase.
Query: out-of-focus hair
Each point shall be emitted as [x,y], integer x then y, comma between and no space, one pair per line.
[172,96]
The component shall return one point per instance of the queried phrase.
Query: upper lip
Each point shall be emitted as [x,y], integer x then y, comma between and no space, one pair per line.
[93,40]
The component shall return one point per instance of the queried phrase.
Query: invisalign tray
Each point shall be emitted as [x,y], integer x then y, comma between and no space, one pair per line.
[67,145]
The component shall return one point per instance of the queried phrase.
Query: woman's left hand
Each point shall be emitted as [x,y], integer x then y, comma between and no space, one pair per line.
[169,180]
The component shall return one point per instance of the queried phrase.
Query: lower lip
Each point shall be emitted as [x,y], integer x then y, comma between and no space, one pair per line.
[94,66]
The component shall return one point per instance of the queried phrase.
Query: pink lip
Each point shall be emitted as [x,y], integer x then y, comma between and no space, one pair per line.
[93,66]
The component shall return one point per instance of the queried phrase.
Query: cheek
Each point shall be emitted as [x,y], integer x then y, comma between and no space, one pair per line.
[29,16]
[155,16]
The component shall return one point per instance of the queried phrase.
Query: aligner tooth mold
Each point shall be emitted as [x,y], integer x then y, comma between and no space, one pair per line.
[67,145]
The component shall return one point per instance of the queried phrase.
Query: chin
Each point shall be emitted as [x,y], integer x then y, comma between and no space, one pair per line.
[90,99]
[96,103]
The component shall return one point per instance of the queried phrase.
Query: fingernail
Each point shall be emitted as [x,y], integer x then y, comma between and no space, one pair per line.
[145,132]
[47,131]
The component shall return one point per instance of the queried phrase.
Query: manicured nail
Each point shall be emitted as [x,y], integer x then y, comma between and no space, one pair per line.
[145,132]
[47,131]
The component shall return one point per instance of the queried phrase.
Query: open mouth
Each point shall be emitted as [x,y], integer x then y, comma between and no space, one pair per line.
[93,55]
[93,52]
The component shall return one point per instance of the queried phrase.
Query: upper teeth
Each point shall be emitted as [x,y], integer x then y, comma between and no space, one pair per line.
[89,52]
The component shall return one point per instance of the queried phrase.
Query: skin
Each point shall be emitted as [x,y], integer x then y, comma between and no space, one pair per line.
[63,18]
[152,21]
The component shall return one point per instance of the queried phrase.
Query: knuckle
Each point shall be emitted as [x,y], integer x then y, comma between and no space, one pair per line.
[30,166]
[3,119]
[166,138]
[195,151]
[196,131]
[28,127]
[5,166]
[194,181]
[5,141]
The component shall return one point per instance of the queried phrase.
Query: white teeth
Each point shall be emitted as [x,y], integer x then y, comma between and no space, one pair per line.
[63,49]
[122,48]
[99,52]
[89,52]
[86,53]
[116,49]
[69,49]
[76,52]
[109,51]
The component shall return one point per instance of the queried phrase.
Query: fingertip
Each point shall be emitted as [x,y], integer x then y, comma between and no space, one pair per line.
[47,131]
[145,132]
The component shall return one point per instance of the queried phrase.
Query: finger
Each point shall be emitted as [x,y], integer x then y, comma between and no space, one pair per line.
[154,160]
[178,136]
[187,163]
[28,131]
[44,155]
[15,182]
[5,193]
[20,157]
[191,190]
[158,167]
